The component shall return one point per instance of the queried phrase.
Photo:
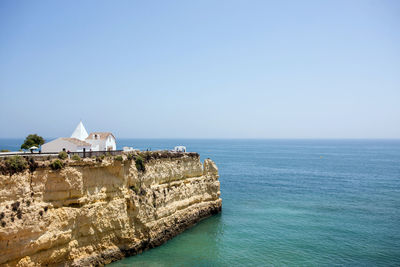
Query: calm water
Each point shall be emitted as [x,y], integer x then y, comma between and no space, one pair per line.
[291,202]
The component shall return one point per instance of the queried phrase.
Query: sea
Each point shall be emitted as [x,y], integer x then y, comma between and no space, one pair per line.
[289,203]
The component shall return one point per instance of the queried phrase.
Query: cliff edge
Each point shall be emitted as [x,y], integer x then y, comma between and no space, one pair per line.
[95,211]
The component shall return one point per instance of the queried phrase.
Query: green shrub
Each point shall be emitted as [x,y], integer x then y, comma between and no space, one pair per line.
[76,157]
[147,155]
[119,158]
[139,164]
[62,155]
[13,165]
[129,157]
[56,165]
[4,150]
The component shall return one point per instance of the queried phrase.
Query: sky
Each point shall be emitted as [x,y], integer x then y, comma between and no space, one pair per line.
[201,69]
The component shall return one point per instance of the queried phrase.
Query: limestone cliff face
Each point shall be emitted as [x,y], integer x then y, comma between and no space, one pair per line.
[92,213]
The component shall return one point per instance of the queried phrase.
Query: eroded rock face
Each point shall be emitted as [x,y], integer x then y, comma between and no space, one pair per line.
[96,213]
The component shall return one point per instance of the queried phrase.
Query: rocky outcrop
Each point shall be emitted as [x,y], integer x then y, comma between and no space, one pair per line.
[93,213]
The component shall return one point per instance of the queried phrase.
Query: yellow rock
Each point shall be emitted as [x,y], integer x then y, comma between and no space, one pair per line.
[95,213]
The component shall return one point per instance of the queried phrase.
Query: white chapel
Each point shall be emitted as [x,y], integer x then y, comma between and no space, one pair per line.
[81,141]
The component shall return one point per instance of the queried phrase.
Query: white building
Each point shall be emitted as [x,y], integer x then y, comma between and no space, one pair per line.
[66,144]
[81,141]
[102,141]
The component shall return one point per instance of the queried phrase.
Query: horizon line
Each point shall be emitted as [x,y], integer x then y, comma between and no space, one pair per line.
[242,138]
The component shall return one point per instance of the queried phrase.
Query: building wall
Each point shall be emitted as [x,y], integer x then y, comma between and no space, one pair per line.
[97,145]
[102,145]
[110,142]
[59,144]
[80,148]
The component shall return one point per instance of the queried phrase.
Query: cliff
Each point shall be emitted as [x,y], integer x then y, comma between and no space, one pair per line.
[93,212]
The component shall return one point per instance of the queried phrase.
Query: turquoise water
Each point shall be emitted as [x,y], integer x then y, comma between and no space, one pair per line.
[292,202]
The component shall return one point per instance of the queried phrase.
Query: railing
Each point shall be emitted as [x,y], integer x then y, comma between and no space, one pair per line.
[86,154]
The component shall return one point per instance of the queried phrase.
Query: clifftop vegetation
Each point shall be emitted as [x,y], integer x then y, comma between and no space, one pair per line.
[10,165]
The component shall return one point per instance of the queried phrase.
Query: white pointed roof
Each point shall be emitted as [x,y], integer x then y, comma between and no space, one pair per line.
[80,132]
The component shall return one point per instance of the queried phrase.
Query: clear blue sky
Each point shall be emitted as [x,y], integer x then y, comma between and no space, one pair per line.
[201,69]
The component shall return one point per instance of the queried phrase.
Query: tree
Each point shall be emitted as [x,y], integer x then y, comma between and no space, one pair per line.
[32,140]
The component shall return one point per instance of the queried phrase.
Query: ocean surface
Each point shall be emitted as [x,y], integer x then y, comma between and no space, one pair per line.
[289,202]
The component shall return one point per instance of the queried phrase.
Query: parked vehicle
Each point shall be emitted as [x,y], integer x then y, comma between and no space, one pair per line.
[179,149]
